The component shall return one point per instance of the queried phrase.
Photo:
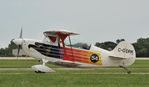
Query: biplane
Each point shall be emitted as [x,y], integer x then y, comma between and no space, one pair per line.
[54,50]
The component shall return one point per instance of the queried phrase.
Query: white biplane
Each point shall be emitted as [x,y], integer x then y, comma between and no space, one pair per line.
[56,52]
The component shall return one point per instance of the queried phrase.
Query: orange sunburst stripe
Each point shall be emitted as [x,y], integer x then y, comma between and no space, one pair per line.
[83,56]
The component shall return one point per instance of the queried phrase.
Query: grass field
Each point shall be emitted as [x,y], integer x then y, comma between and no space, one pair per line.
[97,77]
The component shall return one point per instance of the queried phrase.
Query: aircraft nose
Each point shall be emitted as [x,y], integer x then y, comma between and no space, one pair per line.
[17,41]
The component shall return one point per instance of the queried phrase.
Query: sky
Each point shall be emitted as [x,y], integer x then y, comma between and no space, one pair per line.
[94,20]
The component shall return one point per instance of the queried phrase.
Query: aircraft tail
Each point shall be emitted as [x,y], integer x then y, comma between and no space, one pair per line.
[123,50]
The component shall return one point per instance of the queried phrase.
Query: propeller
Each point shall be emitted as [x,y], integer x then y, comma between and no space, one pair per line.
[20,45]
[19,48]
[21,33]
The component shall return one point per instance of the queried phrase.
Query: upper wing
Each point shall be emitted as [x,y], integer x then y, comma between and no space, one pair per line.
[63,32]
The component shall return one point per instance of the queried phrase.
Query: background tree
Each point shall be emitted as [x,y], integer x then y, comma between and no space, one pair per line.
[106,45]
[7,52]
[119,40]
[142,47]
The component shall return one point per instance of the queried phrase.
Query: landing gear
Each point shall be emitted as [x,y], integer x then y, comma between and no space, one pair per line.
[42,68]
[129,72]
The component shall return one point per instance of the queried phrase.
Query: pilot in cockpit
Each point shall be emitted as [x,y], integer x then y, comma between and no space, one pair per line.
[84,46]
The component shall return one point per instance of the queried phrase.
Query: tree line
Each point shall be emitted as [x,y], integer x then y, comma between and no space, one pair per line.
[7,52]
[141,46]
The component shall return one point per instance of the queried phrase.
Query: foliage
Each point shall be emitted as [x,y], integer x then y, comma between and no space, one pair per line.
[142,47]
[119,40]
[7,52]
[106,45]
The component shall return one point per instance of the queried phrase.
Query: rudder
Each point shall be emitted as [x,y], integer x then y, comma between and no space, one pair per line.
[124,50]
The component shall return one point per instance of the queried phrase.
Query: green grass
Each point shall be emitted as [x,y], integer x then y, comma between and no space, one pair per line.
[28,63]
[72,78]
[17,63]
[21,64]
[140,64]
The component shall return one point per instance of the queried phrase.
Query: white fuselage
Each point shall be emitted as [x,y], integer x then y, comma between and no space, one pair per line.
[105,59]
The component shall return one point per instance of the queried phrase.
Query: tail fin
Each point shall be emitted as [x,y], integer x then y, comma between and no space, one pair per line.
[124,50]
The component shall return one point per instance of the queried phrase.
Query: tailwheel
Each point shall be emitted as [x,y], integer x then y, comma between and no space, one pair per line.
[128,71]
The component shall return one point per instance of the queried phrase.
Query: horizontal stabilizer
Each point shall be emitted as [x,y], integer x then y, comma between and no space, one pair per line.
[117,57]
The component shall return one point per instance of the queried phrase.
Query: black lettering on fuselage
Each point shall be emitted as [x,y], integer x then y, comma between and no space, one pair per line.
[125,50]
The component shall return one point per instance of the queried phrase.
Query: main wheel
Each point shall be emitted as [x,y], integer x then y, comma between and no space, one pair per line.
[39,72]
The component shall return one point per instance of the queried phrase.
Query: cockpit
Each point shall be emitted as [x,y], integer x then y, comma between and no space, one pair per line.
[62,39]
[75,43]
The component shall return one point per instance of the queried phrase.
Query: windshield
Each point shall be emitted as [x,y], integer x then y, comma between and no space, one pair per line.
[76,43]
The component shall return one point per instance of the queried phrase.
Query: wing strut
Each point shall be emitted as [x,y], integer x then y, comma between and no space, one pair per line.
[63,37]
[71,49]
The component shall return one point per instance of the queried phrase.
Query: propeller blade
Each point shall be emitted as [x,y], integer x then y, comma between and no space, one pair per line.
[12,41]
[21,33]
[19,48]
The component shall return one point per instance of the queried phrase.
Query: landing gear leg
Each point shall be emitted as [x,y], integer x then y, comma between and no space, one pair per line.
[129,72]
[44,62]
[42,68]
